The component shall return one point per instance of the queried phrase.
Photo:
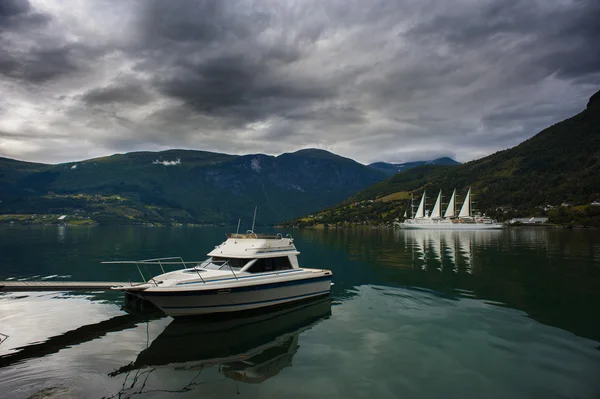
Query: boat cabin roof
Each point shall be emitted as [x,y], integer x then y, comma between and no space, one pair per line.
[252,245]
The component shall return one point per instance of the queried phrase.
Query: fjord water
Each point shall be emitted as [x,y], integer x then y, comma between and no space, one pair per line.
[424,314]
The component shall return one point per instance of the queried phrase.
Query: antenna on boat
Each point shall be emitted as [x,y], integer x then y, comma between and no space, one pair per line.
[254,219]
[238,229]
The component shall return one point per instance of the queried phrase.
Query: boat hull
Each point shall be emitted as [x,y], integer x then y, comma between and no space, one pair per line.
[452,226]
[208,300]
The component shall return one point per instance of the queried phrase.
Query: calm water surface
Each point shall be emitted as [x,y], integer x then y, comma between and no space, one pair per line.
[509,314]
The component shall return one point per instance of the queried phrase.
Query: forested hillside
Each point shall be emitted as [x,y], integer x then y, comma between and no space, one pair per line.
[559,165]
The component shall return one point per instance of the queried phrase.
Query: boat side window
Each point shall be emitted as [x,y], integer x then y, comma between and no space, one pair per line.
[270,264]
[225,263]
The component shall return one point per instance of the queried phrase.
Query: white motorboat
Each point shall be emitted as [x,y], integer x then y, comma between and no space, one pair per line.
[247,271]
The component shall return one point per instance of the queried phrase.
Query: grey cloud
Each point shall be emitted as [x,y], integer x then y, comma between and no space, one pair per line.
[27,54]
[216,64]
[556,38]
[39,65]
[126,93]
[18,14]
[499,116]
[25,135]
[11,8]
[579,53]
[239,88]
[196,21]
[478,23]
[327,114]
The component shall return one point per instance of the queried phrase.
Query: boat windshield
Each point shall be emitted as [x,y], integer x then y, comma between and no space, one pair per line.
[220,263]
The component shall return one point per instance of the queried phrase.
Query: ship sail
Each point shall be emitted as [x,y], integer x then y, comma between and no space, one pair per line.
[421,209]
[465,211]
[436,212]
[451,206]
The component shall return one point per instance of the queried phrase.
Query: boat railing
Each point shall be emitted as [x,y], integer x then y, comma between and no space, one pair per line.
[161,262]
[225,263]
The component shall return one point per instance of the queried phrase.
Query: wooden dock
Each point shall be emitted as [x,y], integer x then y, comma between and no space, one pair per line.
[19,286]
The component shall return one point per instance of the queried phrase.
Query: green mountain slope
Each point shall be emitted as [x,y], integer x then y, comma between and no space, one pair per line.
[559,165]
[183,186]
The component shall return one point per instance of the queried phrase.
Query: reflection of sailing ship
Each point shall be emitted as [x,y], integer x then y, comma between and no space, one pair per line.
[450,252]
[441,248]
[248,349]
[418,253]
[435,243]
[465,251]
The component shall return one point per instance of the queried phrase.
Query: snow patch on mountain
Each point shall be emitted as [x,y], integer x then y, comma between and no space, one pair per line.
[167,163]
[255,164]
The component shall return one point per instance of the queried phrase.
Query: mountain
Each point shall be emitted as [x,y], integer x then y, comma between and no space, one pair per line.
[393,168]
[559,165]
[183,186]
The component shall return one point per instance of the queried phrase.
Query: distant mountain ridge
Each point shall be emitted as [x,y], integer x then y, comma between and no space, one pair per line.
[393,168]
[558,166]
[183,186]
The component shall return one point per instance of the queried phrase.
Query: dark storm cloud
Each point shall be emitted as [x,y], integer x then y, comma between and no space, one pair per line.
[19,14]
[563,39]
[239,88]
[579,35]
[34,60]
[196,21]
[210,59]
[10,9]
[114,94]
[499,116]
[383,80]
[39,65]
[481,22]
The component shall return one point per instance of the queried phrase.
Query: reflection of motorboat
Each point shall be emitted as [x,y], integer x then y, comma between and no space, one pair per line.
[250,349]
[264,365]
[247,271]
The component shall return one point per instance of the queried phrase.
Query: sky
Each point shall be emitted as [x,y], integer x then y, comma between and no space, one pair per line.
[373,80]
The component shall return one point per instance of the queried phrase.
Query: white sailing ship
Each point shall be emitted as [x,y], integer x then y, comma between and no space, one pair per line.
[465,220]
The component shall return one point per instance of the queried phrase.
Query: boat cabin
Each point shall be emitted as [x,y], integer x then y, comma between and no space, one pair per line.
[253,253]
